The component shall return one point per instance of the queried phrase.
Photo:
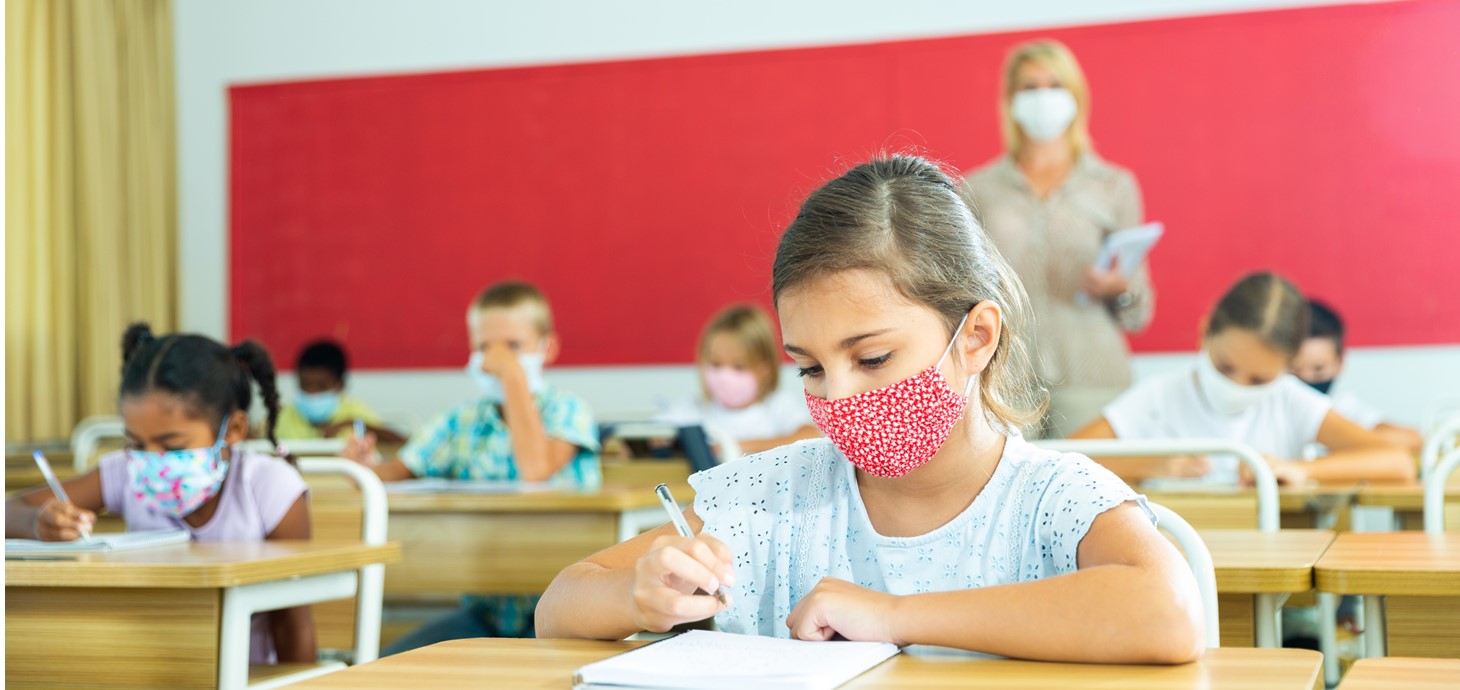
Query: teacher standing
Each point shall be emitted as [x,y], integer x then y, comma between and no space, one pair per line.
[1048,203]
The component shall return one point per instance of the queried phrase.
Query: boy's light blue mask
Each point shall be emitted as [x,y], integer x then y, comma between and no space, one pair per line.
[491,386]
[317,408]
[177,482]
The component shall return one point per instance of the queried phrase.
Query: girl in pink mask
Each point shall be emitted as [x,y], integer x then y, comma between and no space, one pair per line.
[739,366]
[184,400]
[1240,388]
[923,518]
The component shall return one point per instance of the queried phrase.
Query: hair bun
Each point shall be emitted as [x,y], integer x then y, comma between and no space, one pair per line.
[137,335]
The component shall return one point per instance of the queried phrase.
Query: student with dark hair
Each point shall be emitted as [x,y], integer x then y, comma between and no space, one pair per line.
[1240,389]
[1320,360]
[321,409]
[184,400]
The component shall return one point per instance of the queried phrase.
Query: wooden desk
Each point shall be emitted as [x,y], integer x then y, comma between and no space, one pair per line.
[1321,506]
[672,470]
[481,663]
[1413,580]
[1256,571]
[511,543]
[163,617]
[1407,500]
[1400,672]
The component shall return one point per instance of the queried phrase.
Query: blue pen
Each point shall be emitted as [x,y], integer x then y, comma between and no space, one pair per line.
[40,461]
[360,428]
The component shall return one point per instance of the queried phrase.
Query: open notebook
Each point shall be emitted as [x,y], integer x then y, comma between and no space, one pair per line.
[124,541]
[704,660]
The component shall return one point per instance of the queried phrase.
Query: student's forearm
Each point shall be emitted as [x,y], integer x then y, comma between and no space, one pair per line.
[393,470]
[1104,614]
[20,519]
[1382,463]
[587,600]
[1402,436]
[530,447]
[294,639]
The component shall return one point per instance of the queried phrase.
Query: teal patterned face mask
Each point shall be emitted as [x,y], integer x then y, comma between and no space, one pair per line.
[177,482]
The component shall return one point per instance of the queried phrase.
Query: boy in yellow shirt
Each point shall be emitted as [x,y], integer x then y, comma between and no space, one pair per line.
[321,409]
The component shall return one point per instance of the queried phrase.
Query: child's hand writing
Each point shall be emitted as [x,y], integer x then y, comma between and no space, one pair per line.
[837,607]
[1287,472]
[361,450]
[1187,466]
[61,521]
[667,576]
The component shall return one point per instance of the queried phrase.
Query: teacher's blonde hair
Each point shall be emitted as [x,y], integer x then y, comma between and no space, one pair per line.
[1055,57]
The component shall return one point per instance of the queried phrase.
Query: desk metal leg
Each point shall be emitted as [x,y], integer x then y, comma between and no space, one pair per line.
[1328,636]
[1374,628]
[632,523]
[1266,624]
[240,603]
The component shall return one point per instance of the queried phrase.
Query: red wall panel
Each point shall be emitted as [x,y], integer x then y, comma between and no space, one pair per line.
[643,195]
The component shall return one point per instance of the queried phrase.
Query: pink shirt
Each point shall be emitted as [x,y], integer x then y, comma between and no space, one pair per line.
[258,491]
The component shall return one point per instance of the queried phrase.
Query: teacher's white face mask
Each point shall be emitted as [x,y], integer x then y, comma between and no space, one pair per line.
[1044,114]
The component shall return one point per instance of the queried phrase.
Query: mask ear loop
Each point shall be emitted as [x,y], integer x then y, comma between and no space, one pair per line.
[972,378]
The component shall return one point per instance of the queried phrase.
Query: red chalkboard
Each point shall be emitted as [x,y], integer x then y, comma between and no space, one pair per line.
[644,195]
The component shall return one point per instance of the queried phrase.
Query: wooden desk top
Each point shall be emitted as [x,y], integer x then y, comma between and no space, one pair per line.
[1407,563]
[1400,672]
[1249,561]
[200,564]
[1404,496]
[479,663]
[610,498]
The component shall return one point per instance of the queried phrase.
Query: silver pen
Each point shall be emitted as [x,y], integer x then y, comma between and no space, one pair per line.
[676,516]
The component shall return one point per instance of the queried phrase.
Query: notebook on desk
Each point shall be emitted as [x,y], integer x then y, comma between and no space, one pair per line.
[705,660]
[100,543]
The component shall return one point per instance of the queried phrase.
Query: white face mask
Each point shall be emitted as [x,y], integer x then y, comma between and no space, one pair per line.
[1044,114]
[1224,395]
[491,386]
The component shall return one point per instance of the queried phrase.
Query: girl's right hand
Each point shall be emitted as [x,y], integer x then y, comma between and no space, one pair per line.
[361,450]
[1187,466]
[60,521]
[667,576]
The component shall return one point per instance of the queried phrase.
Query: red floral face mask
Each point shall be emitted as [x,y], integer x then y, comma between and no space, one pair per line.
[894,430]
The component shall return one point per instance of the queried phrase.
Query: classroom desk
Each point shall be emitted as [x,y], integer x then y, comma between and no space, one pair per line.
[511,543]
[1256,572]
[1317,506]
[1407,500]
[1413,580]
[173,616]
[1400,672]
[484,663]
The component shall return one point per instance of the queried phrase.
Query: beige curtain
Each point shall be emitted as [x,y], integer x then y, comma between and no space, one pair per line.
[90,213]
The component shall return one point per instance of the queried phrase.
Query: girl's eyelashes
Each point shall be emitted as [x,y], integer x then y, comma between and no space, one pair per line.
[875,362]
[813,371]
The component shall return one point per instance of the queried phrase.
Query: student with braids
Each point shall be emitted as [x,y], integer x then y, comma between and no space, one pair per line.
[184,400]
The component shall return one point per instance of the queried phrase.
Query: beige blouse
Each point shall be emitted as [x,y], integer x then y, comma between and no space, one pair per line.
[1051,243]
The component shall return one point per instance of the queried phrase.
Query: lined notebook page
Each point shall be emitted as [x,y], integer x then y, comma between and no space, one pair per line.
[704,660]
[125,541]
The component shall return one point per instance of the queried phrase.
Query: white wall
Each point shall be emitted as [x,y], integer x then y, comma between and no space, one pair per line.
[222,43]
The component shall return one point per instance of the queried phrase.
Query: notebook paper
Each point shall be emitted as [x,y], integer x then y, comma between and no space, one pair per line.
[704,660]
[100,543]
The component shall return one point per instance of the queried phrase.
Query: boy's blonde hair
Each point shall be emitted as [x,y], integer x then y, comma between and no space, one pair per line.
[902,216]
[752,328]
[1055,57]
[513,294]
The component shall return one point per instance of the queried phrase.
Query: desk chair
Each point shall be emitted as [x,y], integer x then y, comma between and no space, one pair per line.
[1200,561]
[1435,491]
[368,591]
[1444,438]
[88,435]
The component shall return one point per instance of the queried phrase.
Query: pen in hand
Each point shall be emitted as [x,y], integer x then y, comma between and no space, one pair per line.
[676,516]
[55,484]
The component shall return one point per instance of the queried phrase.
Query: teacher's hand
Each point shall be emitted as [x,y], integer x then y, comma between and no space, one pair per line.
[1105,284]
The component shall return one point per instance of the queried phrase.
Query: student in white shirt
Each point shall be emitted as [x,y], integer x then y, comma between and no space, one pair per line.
[924,518]
[1240,389]
[739,368]
[1320,361]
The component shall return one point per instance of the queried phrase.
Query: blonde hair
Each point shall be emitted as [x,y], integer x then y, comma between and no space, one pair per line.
[1055,57]
[515,294]
[902,216]
[751,327]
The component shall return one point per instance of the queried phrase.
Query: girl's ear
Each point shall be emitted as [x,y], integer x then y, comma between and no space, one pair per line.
[237,428]
[1201,328]
[979,339]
